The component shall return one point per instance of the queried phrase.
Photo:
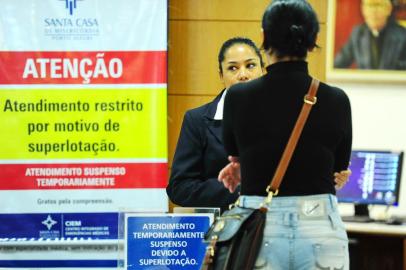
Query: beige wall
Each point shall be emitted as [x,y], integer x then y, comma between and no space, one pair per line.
[197,29]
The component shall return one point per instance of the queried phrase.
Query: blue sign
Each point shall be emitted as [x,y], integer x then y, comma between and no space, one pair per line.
[165,242]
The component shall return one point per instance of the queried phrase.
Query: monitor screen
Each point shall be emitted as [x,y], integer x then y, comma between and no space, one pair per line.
[375,178]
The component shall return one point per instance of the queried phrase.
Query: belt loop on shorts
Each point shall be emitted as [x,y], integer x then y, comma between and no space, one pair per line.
[333,203]
[242,201]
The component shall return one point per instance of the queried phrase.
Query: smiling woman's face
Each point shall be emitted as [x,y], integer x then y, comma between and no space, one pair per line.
[240,64]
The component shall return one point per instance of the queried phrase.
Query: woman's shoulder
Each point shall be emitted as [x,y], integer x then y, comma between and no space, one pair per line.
[208,109]
[199,110]
[333,92]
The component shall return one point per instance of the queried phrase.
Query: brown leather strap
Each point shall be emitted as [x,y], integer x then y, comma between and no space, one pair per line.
[309,100]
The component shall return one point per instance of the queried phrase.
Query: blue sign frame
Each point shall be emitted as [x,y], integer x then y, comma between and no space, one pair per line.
[168,241]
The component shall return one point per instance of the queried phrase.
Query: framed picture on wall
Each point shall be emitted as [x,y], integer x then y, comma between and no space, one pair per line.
[366,40]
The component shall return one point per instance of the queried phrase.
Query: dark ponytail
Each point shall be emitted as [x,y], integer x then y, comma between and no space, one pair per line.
[297,40]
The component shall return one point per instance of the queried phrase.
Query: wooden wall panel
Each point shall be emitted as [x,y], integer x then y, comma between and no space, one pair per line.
[317,58]
[320,6]
[235,10]
[193,66]
[228,9]
[193,48]
[177,106]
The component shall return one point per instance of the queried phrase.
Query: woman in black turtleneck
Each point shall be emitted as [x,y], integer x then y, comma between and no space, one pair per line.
[304,229]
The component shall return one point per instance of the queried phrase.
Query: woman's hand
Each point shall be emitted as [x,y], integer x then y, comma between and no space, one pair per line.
[341,178]
[230,175]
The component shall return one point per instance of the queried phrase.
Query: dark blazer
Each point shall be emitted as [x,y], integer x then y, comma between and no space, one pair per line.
[198,159]
[259,116]
[357,50]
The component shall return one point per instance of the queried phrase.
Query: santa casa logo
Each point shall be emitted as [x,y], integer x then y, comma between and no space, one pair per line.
[49,222]
[70,5]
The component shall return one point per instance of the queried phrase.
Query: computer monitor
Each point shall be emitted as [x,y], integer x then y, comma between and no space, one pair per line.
[375,179]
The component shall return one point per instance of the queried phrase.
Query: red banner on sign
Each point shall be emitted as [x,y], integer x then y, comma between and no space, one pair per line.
[111,67]
[83,176]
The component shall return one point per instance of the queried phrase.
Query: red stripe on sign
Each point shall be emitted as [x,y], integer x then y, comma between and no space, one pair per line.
[111,67]
[83,176]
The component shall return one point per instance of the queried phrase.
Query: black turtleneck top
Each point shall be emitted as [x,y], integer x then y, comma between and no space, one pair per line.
[259,116]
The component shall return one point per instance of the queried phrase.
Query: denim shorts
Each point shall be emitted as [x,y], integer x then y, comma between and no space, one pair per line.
[302,233]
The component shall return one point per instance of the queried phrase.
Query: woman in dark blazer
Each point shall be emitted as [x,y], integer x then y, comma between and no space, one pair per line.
[200,153]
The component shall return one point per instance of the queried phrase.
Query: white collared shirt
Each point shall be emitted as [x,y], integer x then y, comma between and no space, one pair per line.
[220,107]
